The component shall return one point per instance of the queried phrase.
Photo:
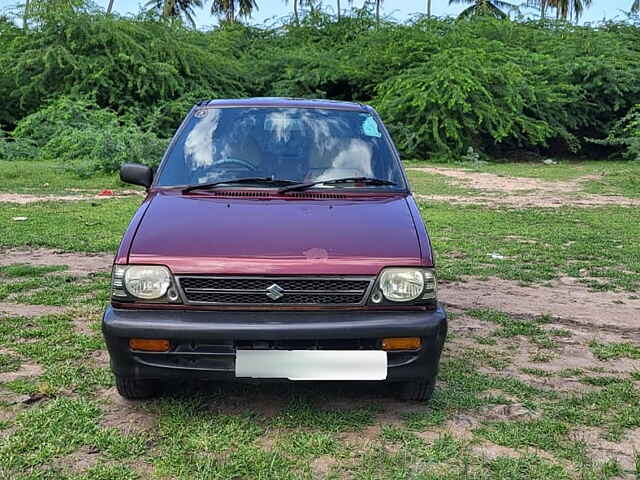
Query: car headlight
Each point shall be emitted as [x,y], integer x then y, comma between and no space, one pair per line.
[405,285]
[147,282]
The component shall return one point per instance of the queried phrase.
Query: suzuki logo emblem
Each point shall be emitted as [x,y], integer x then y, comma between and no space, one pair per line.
[275,292]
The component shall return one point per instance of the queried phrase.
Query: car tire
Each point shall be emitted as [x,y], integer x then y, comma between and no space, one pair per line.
[418,390]
[136,388]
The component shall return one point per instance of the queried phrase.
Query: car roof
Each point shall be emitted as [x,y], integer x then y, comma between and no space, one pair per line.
[282,102]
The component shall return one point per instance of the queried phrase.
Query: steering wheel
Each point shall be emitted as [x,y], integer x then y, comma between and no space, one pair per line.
[237,161]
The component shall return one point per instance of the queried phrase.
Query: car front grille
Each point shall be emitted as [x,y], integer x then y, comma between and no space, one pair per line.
[201,290]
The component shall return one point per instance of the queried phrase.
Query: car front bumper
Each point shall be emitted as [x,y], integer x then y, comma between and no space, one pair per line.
[204,342]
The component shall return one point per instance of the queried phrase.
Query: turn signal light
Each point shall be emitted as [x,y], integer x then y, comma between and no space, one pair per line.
[404,343]
[149,345]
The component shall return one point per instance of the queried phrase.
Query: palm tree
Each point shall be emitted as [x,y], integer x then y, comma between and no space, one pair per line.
[25,15]
[491,8]
[635,8]
[296,16]
[570,8]
[428,8]
[298,4]
[349,2]
[183,9]
[378,4]
[109,7]
[229,8]
[564,8]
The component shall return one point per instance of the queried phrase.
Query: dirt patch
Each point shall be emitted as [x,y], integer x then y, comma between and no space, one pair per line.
[461,426]
[518,192]
[126,416]
[23,310]
[500,183]
[26,198]
[513,411]
[600,450]
[364,439]
[565,299]
[559,369]
[25,370]
[100,358]
[532,200]
[78,461]
[83,325]
[79,264]
[490,451]
[322,465]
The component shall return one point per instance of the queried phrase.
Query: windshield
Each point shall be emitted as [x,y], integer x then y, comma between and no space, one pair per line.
[296,144]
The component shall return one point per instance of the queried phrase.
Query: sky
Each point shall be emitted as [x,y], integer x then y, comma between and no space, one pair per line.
[397,9]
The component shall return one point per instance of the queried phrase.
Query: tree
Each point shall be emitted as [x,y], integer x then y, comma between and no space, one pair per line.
[296,16]
[338,6]
[183,9]
[565,9]
[25,14]
[570,9]
[298,4]
[228,8]
[378,4]
[109,7]
[428,8]
[635,8]
[492,8]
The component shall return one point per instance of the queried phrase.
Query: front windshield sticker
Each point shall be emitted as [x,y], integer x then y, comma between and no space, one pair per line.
[370,127]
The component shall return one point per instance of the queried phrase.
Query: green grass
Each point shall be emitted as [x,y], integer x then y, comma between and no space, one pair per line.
[24,270]
[625,182]
[204,435]
[9,362]
[594,245]
[536,372]
[433,184]
[615,407]
[596,242]
[609,351]
[49,178]
[84,226]
[510,326]
[286,432]
[302,414]
[59,428]
[546,434]
[564,170]
[55,290]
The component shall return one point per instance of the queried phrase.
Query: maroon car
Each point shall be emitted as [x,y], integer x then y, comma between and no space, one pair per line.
[278,241]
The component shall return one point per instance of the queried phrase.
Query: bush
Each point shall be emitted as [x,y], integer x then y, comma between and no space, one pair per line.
[471,98]
[84,138]
[128,65]
[626,133]
[442,85]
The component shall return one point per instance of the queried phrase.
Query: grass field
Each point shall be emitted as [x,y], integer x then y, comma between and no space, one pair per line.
[531,385]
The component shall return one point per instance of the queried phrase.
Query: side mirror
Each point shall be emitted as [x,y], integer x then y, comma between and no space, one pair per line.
[136,174]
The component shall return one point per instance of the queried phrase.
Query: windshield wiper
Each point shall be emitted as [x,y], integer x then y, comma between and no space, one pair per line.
[265,180]
[365,180]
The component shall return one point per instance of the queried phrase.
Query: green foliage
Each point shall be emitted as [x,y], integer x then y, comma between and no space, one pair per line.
[468,97]
[129,65]
[442,86]
[626,132]
[83,138]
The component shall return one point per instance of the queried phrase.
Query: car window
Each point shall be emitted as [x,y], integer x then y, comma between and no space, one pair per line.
[298,144]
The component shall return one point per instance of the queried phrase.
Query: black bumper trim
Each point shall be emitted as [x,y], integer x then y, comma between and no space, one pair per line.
[118,325]
[257,325]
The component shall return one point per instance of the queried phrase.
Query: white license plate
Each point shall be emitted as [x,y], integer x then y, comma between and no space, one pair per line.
[312,364]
